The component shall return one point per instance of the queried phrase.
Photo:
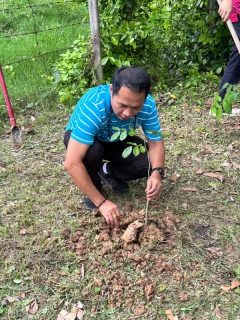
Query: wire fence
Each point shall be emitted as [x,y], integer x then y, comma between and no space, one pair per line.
[32,37]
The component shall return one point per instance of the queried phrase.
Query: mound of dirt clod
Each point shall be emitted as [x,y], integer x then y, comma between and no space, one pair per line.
[134,244]
[150,233]
[131,234]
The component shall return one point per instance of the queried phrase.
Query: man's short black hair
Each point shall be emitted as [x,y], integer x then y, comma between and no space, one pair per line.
[132,77]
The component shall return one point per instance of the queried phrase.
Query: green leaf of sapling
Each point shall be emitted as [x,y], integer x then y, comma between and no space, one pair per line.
[115,136]
[219,114]
[227,106]
[227,102]
[213,111]
[132,143]
[123,135]
[127,152]
[235,96]
[136,151]
[143,149]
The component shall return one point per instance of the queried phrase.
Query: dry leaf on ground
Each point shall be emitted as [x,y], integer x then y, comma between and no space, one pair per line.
[77,312]
[229,249]
[170,315]
[214,175]
[199,171]
[218,312]
[225,289]
[175,178]
[226,164]
[206,151]
[214,252]
[32,308]
[185,317]
[191,189]
[23,231]
[29,128]
[183,296]
[11,299]
[235,165]
[235,284]
[65,315]
[173,217]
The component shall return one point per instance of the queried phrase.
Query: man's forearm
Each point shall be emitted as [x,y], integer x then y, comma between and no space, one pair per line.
[156,153]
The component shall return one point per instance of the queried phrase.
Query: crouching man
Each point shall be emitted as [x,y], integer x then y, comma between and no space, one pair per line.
[92,158]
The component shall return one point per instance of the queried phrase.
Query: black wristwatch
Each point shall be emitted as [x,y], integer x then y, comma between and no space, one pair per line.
[160,170]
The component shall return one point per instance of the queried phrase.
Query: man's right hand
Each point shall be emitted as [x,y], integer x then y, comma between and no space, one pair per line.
[110,213]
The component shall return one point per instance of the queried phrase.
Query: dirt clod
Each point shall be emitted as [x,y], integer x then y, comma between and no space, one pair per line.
[151,233]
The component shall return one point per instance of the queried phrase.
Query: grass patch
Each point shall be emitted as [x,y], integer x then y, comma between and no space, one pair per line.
[39,33]
[48,237]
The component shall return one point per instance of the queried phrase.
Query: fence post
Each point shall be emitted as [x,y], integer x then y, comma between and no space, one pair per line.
[95,34]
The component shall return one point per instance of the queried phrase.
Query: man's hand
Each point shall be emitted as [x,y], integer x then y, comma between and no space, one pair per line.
[154,186]
[225,9]
[110,213]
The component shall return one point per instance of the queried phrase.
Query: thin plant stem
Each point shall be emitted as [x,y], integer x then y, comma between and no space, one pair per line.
[146,214]
[146,211]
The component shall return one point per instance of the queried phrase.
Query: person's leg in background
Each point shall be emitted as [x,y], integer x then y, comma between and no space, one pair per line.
[232,72]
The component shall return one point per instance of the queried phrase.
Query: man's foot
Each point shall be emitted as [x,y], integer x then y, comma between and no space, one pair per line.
[89,204]
[116,185]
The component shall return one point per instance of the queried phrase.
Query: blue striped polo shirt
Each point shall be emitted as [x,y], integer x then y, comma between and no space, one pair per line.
[93,117]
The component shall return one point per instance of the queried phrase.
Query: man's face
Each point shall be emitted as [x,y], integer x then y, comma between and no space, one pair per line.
[126,103]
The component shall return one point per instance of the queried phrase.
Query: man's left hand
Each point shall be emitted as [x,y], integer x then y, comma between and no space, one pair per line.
[154,186]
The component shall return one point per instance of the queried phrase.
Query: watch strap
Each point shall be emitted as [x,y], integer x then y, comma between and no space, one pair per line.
[159,169]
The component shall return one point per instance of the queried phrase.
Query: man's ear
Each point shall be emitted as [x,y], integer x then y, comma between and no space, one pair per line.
[111,89]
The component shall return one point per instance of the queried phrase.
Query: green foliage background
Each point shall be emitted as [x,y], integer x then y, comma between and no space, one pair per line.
[173,40]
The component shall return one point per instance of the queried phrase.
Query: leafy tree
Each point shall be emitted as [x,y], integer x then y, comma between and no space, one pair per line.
[171,39]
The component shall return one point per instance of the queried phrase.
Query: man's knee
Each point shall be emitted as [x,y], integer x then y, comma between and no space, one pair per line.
[94,155]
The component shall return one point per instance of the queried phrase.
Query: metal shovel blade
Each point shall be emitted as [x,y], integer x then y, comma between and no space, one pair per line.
[16,136]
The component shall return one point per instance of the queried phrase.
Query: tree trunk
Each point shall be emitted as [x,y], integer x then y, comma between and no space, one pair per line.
[212,4]
[95,34]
